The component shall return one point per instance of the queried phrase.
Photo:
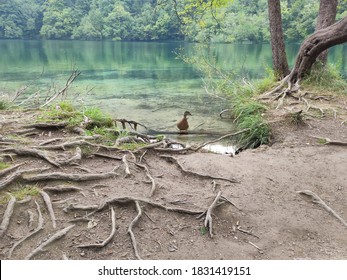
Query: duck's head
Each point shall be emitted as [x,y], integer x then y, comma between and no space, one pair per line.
[187,113]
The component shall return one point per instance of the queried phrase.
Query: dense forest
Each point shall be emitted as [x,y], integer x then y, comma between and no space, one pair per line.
[237,20]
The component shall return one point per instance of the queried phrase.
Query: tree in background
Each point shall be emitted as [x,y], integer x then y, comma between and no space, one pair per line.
[279,57]
[20,18]
[326,17]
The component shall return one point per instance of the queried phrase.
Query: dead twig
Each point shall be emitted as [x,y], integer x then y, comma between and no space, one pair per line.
[38,228]
[219,139]
[316,199]
[7,215]
[108,239]
[67,176]
[59,234]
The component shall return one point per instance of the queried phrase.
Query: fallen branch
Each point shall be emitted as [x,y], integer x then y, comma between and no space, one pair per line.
[219,139]
[108,239]
[56,236]
[49,206]
[175,160]
[38,228]
[130,229]
[316,199]
[7,215]
[208,218]
[69,81]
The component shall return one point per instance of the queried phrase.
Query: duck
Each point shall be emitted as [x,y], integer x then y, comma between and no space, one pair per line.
[183,125]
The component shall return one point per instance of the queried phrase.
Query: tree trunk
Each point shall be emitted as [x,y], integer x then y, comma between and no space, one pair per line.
[279,56]
[314,45]
[326,17]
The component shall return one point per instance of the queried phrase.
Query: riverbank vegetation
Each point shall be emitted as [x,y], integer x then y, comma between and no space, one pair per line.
[231,21]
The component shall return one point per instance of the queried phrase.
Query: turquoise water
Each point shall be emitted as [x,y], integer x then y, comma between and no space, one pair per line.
[140,81]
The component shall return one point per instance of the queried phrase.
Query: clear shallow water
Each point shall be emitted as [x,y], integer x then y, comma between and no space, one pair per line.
[141,81]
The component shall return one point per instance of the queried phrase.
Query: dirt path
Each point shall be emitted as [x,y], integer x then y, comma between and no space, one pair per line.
[261,217]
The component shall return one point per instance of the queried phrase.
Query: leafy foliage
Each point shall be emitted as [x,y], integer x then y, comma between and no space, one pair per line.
[194,20]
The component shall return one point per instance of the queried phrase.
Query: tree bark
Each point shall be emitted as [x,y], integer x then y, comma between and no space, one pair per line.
[314,45]
[279,56]
[326,17]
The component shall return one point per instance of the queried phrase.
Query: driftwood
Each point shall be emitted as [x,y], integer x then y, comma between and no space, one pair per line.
[38,228]
[7,215]
[59,234]
[316,199]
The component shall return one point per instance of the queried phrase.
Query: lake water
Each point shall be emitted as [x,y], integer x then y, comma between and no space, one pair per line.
[140,81]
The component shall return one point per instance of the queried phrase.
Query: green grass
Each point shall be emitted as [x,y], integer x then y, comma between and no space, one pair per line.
[66,112]
[325,79]
[21,193]
[248,113]
[3,105]
[3,165]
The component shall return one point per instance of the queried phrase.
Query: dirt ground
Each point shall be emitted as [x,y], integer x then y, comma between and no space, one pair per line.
[262,215]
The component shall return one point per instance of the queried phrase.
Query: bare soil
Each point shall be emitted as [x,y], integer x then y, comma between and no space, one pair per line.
[261,217]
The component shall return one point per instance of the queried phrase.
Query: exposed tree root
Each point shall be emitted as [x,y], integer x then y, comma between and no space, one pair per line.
[327,141]
[148,174]
[7,215]
[106,156]
[53,125]
[127,169]
[73,143]
[34,153]
[49,206]
[59,234]
[58,189]
[129,199]
[130,229]
[108,239]
[38,228]
[208,218]
[67,177]
[175,160]
[316,199]
[9,169]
